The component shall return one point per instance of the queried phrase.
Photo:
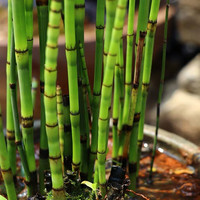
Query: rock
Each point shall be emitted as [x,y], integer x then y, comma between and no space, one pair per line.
[181,114]
[188,21]
[189,76]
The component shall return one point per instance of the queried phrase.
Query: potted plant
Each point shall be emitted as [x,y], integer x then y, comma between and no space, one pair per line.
[70,158]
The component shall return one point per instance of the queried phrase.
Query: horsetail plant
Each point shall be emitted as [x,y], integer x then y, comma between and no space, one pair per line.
[66,119]
[97,82]
[129,60]
[110,16]
[151,29]
[160,87]
[107,90]
[29,30]
[60,115]
[18,137]
[10,131]
[5,165]
[42,8]
[22,59]
[71,54]
[50,99]
[143,15]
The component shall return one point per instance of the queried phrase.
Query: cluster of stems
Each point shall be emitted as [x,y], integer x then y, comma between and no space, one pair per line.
[67,120]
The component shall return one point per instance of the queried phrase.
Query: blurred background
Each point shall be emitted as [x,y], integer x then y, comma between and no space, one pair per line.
[180,108]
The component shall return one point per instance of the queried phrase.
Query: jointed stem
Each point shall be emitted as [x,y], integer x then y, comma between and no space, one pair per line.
[10,132]
[5,166]
[22,58]
[42,7]
[71,55]
[50,99]
[107,90]
[160,87]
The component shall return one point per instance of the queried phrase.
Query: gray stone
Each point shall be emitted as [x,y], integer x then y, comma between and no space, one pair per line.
[188,21]
[181,114]
[189,77]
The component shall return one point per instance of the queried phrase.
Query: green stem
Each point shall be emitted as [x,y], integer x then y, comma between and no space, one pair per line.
[29,30]
[71,55]
[22,58]
[151,29]
[5,165]
[42,8]
[115,114]
[10,132]
[129,61]
[160,87]
[141,27]
[110,16]
[18,137]
[50,99]
[107,91]
[97,82]
[60,121]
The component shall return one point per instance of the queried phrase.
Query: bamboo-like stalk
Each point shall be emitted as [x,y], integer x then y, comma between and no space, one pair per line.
[143,15]
[97,82]
[134,95]
[34,90]
[18,137]
[151,29]
[83,132]
[67,134]
[115,114]
[22,58]
[85,77]
[10,131]
[71,55]
[42,8]
[160,87]
[29,30]
[60,120]
[50,99]
[107,91]
[129,61]
[110,16]
[120,130]
[5,165]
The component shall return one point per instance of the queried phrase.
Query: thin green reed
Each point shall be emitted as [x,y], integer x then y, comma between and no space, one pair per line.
[129,61]
[110,17]
[71,54]
[18,137]
[5,165]
[29,30]
[132,138]
[60,115]
[42,8]
[120,129]
[143,15]
[160,87]
[85,77]
[50,76]
[151,29]
[107,91]
[97,82]
[10,131]
[115,113]
[22,58]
